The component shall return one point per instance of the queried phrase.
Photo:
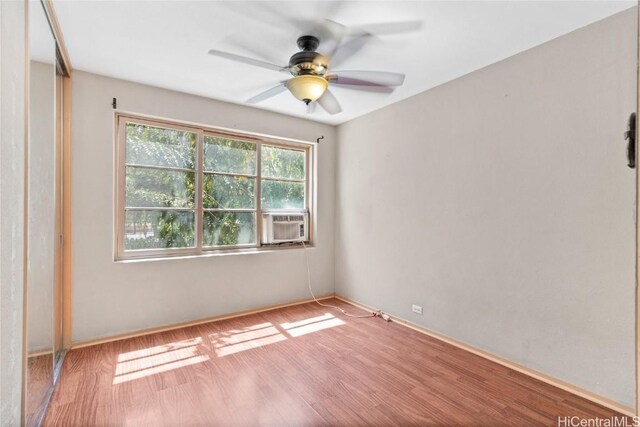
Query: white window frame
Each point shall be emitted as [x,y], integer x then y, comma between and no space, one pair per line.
[121,119]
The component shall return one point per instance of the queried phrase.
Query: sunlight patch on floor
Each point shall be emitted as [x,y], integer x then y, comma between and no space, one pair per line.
[236,340]
[291,325]
[154,360]
[146,352]
[263,334]
[314,324]
[159,368]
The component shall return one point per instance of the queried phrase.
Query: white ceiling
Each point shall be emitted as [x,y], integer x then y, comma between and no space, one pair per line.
[165,43]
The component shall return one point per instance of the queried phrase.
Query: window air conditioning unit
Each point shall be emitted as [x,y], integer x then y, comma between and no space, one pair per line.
[281,227]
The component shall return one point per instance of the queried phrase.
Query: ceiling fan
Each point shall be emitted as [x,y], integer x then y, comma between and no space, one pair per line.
[311,75]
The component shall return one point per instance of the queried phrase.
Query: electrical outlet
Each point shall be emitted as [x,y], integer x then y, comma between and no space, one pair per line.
[416,309]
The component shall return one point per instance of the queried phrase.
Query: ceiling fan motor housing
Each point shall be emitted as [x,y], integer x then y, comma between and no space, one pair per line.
[308,61]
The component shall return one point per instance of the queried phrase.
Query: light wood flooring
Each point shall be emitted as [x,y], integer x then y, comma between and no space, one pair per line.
[300,365]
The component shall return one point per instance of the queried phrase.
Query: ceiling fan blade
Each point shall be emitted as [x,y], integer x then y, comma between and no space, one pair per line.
[334,33]
[349,48]
[389,27]
[367,78]
[357,37]
[362,85]
[330,103]
[267,94]
[246,60]
[259,52]
[264,14]
[279,17]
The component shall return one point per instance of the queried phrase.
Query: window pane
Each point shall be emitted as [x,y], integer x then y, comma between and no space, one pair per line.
[159,188]
[153,146]
[282,194]
[228,228]
[229,156]
[159,229]
[282,163]
[229,192]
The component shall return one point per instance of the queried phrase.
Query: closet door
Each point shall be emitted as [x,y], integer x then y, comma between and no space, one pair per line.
[42,239]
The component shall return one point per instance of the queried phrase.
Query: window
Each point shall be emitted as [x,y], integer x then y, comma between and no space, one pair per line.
[189,190]
[283,178]
[230,173]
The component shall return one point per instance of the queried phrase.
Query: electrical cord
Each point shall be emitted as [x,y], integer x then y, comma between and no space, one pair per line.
[363,316]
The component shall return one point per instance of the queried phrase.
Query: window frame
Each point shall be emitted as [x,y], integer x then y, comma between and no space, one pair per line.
[201,131]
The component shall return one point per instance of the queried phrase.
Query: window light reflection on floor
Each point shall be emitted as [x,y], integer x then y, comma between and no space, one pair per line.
[146,352]
[153,360]
[236,340]
[262,334]
[150,361]
[313,324]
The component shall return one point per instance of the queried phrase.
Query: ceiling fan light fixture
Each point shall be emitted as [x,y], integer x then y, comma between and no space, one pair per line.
[307,88]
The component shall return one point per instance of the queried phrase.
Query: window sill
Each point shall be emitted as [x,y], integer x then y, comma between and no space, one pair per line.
[214,253]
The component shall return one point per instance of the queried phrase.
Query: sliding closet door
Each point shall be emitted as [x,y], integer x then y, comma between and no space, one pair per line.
[41,215]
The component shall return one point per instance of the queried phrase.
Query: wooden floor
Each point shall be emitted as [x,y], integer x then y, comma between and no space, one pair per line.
[299,365]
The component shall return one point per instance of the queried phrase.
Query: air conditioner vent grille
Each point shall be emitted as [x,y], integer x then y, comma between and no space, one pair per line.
[280,227]
[286,231]
[287,218]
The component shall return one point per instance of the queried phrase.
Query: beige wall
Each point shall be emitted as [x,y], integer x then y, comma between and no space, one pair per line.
[111,298]
[502,204]
[12,151]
